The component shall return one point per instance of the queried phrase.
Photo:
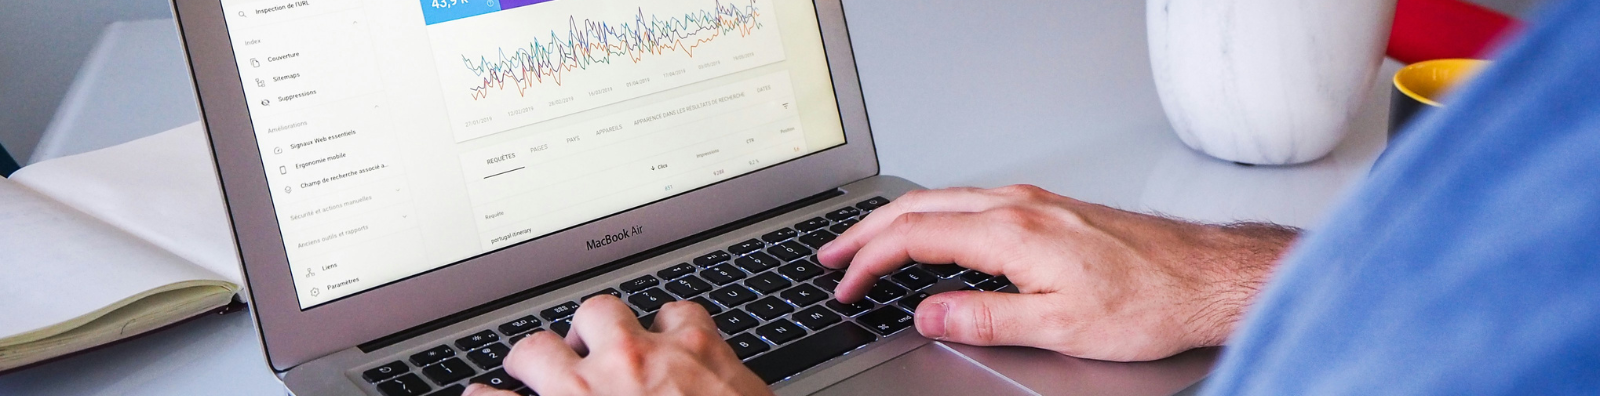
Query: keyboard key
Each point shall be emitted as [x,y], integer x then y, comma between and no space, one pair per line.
[498,379]
[734,321]
[647,320]
[723,274]
[489,356]
[712,258]
[789,251]
[911,302]
[883,291]
[780,235]
[800,271]
[767,283]
[829,281]
[447,371]
[561,327]
[993,284]
[818,238]
[887,320]
[452,390]
[973,277]
[815,223]
[610,291]
[843,214]
[733,295]
[560,311]
[743,248]
[915,278]
[526,392]
[803,295]
[757,262]
[747,345]
[809,352]
[676,271]
[519,326]
[816,318]
[477,340]
[432,355]
[769,308]
[516,338]
[842,226]
[386,371]
[405,385]
[850,309]
[649,300]
[942,270]
[780,332]
[641,283]
[686,287]
[711,307]
[872,203]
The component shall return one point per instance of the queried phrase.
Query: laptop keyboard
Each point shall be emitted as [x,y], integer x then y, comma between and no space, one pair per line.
[768,296]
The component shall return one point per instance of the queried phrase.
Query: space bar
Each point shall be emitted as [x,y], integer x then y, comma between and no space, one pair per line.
[810,351]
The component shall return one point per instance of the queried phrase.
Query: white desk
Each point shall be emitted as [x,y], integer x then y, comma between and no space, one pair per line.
[1053,93]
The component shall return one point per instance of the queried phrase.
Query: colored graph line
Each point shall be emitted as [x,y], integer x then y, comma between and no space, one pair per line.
[592,43]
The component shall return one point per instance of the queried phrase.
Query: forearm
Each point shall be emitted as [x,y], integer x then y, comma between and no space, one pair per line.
[1238,261]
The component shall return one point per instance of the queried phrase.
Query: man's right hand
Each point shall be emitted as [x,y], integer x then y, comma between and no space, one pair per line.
[1096,282]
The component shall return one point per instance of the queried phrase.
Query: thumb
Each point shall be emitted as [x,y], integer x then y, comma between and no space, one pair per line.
[984,318]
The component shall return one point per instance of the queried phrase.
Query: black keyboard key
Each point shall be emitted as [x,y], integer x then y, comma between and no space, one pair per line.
[816,318]
[993,284]
[769,308]
[711,307]
[815,223]
[942,270]
[818,238]
[477,340]
[560,311]
[789,251]
[809,352]
[887,320]
[676,271]
[498,379]
[561,327]
[883,291]
[842,226]
[447,371]
[385,371]
[800,271]
[517,338]
[734,321]
[607,291]
[526,392]
[872,203]
[519,326]
[647,320]
[733,295]
[843,214]
[743,248]
[850,309]
[747,345]
[779,235]
[915,278]
[640,283]
[803,295]
[685,287]
[757,262]
[650,300]
[829,281]
[911,302]
[767,283]
[432,355]
[452,390]
[973,277]
[723,274]
[780,332]
[405,385]
[712,258]
[489,356]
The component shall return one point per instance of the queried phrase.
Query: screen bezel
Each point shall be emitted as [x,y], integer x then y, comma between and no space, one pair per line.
[292,336]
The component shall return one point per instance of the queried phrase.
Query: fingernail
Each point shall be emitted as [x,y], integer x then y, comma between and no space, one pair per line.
[824,247]
[930,319]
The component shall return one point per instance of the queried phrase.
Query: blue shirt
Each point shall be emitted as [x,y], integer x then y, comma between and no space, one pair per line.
[1469,262]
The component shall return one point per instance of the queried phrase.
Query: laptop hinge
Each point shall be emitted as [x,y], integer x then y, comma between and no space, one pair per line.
[518,297]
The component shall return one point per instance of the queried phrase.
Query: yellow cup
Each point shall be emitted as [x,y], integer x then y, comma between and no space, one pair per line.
[1424,84]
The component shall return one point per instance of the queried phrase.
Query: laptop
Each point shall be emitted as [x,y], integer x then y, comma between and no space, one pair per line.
[416,185]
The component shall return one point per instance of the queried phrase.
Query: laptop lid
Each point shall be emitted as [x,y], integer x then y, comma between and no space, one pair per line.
[388,163]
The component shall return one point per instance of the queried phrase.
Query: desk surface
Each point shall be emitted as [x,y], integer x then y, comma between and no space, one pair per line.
[1072,108]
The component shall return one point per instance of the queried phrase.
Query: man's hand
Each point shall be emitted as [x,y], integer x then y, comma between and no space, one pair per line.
[608,353]
[1096,282]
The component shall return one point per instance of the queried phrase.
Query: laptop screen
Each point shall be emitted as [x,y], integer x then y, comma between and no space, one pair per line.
[403,136]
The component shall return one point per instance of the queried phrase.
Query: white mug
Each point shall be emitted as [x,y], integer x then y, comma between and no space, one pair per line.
[1265,82]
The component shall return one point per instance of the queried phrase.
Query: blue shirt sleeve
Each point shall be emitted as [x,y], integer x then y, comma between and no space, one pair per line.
[1469,263]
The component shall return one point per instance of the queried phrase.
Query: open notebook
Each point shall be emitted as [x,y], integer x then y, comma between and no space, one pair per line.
[109,244]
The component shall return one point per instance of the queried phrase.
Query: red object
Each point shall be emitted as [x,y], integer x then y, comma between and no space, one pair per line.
[1442,29]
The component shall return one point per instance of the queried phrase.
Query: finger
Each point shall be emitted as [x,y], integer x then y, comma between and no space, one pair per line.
[935,238]
[987,318]
[600,321]
[837,254]
[485,390]
[682,315]
[544,362]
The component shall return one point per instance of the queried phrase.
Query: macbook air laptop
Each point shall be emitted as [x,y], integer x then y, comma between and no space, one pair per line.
[415,185]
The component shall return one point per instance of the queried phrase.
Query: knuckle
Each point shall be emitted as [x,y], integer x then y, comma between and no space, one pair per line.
[982,323]
[1023,191]
[700,341]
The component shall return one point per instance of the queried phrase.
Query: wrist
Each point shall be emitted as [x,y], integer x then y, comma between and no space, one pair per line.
[1236,261]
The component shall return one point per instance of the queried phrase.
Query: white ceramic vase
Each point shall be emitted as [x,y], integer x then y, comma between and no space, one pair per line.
[1266,82]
